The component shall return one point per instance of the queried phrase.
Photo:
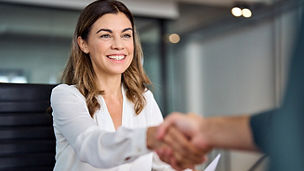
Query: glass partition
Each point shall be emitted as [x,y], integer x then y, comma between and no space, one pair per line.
[35,44]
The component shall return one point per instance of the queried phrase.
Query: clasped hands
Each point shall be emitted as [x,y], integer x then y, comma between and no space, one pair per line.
[178,141]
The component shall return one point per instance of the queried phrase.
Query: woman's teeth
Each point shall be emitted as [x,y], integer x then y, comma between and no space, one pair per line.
[117,57]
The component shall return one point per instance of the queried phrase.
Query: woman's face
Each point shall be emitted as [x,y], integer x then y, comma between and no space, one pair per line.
[110,44]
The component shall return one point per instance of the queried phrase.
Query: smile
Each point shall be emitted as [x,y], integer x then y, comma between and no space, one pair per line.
[117,57]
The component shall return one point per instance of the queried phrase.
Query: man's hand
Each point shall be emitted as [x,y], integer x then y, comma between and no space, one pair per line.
[175,148]
[189,126]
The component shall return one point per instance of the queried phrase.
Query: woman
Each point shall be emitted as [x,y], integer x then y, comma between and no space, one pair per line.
[105,97]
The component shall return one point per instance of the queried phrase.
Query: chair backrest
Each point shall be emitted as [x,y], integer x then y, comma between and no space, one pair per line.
[27,139]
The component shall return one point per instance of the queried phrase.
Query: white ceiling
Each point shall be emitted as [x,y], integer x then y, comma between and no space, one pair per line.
[219,2]
[153,8]
[207,2]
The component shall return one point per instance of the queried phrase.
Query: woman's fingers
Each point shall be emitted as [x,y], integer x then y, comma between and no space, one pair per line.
[183,149]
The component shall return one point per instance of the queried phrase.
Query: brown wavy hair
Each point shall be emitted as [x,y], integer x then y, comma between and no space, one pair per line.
[79,70]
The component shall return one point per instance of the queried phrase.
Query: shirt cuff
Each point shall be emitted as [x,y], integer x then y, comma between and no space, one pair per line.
[141,143]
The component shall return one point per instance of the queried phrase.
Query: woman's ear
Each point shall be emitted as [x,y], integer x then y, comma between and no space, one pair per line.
[83,45]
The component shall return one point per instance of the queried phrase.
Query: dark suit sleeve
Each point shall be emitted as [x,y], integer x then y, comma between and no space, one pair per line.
[260,127]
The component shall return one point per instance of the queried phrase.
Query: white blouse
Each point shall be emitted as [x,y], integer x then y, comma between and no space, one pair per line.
[84,143]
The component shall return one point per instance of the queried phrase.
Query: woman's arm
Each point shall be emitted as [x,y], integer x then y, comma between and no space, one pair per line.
[93,145]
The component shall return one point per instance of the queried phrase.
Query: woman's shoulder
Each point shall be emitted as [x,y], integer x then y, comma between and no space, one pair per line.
[64,87]
[152,110]
[150,99]
[65,90]
[148,94]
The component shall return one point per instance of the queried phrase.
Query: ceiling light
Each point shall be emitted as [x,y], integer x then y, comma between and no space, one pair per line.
[174,38]
[246,12]
[236,11]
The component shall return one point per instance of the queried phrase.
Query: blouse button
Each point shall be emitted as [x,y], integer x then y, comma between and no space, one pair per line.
[127,158]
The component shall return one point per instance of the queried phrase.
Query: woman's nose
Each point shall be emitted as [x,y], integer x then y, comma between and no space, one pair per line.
[117,44]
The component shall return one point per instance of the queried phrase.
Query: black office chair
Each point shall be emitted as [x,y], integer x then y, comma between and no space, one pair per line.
[27,139]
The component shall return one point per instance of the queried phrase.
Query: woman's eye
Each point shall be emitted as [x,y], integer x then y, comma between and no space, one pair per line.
[127,36]
[105,36]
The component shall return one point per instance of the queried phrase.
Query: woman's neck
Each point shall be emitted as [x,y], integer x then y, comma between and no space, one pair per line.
[111,85]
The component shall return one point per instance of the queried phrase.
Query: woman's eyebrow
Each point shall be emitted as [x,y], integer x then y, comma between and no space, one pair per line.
[107,30]
[126,29]
[110,31]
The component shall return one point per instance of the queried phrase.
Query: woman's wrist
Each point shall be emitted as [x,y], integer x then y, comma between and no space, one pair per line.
[151,140]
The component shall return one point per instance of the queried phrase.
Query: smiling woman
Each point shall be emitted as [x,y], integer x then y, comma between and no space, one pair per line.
[106,28]
[110,45]
[104,115]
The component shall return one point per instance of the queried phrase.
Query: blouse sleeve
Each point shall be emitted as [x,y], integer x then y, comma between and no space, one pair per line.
[93,145]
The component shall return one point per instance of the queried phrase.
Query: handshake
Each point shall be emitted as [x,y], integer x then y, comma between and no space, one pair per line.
[184,140]
[179,141]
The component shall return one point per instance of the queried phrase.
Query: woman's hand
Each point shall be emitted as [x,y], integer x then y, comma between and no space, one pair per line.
[174,149]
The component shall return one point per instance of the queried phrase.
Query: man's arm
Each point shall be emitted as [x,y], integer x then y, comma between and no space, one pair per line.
[214,132]
[232,132]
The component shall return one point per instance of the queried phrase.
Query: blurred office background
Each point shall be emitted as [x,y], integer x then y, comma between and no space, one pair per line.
[200,57]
